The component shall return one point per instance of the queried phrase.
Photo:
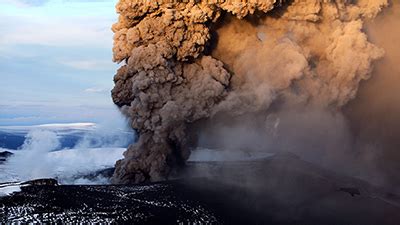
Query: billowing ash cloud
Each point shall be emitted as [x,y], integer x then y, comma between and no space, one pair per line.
[194,61]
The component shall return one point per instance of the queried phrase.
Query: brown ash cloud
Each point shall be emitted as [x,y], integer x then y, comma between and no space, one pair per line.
[195,63]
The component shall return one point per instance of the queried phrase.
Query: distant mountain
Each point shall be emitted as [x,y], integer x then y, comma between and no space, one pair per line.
[15,140]
[59,127]
[4,155]
[70,134]
[11,140]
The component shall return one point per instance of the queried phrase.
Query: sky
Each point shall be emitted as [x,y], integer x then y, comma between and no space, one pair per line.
[56,61]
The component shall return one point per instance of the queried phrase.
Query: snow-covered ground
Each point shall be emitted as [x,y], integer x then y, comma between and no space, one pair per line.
[9,188]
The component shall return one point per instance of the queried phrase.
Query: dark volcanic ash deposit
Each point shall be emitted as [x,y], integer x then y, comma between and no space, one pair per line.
[190,61]
[306,194]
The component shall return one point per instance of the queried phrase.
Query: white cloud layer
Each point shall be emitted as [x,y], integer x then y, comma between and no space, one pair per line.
[87,64]
[27,2]
[96,90]
[57,32]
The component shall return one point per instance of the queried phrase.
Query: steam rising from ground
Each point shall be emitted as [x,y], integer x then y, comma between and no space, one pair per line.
[33,162]
[192,68]
[43,156]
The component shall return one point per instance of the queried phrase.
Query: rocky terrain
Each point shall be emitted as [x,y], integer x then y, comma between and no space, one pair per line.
[281,189]
[4,155]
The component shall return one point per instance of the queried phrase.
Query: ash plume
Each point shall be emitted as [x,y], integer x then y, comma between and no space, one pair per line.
[375,112]
[192,63]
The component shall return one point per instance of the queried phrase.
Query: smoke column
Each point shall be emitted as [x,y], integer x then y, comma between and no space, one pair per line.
[34,161]
[193,64]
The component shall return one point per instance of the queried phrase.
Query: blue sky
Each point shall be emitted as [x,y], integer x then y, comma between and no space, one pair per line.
[56,61]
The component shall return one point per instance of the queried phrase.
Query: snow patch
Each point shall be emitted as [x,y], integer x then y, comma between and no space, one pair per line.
[8,189]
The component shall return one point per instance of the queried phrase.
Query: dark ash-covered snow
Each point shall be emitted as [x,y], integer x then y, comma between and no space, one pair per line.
[281,189]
